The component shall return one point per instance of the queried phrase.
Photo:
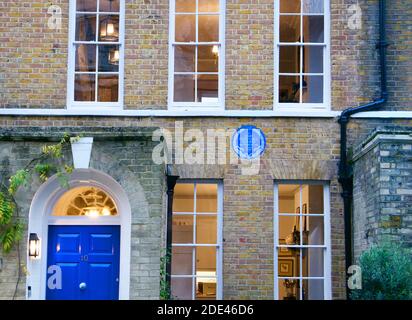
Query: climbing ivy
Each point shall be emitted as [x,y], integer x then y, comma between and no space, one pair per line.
[165,293]
[50,161]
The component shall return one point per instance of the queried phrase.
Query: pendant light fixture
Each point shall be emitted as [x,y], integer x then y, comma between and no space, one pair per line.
[108,30]
[114,56]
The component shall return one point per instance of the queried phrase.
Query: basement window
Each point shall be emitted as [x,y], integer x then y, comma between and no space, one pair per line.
[302,54]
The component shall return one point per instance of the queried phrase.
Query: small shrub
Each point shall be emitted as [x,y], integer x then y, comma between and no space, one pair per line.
[386,274]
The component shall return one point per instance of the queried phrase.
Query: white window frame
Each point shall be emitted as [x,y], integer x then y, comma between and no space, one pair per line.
[93,106]
[303,107]
[218,246]
[327,291]
[198,106]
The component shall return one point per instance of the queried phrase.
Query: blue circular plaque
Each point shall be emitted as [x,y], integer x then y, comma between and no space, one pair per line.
[249,142]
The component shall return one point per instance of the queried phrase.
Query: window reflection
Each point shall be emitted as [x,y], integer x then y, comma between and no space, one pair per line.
[94,58]
[301,242]
[195,241]
[85,27]
[197,51]
[84,87]
[299,63]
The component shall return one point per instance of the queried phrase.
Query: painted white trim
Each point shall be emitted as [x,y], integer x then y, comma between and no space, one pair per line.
[218,245]
[102,106]
[197,106]
[81,152]
[40,218]
[327,260]
[171,113]
[110,112]
[326,105]
[384,114]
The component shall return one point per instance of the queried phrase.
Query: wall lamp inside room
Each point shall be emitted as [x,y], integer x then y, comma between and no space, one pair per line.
[34,246]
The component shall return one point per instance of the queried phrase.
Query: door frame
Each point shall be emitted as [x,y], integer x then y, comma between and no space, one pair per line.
[40,218]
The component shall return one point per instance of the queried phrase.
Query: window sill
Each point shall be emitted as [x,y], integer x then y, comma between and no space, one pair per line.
[213,112]
[279,113]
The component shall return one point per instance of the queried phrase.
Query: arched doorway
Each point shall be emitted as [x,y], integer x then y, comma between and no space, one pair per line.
[93,210]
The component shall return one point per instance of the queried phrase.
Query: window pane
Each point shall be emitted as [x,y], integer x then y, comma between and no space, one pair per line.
[313,59]
[205,259]
[313,28]
[312,89]
[289,57]
[208,59]
[207,88]
[185,29]
[185,58]
[182,229]
[182,288]
[312,6]
[84,87]
[289,195]
[184,88]
[109,28]
[290,6]
[289,289]
[208,28]
[312,289]
[289,89]
[109,58]
[206,286]
[208,5]
[86,5]
[185,6]
[85,58]
[289,262]
[315,199]
[108,88]
[289,230]
[183,197]
[206,229]
[312,262]
[109,5]
[85,27]
[206,197]
[182,260]
[289,28]
[313,230]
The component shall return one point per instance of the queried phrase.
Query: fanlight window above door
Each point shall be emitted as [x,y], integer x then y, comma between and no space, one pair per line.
[85,201]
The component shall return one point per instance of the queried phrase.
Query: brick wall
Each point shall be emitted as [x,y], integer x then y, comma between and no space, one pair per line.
[128,161]
[383,189]
[35,57]
[304,149]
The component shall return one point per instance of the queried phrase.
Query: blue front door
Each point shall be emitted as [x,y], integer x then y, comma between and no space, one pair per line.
[88,257]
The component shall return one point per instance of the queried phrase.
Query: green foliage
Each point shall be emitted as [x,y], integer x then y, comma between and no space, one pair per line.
[6,210]
[20,178]
[10,226]
[165,293]
[386,274]
[11,235]
[44,171]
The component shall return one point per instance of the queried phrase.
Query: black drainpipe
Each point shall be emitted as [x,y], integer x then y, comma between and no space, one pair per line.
[171,183]
[345,176]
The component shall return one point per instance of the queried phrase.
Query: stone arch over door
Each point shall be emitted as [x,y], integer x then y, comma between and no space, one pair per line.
[40,211]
